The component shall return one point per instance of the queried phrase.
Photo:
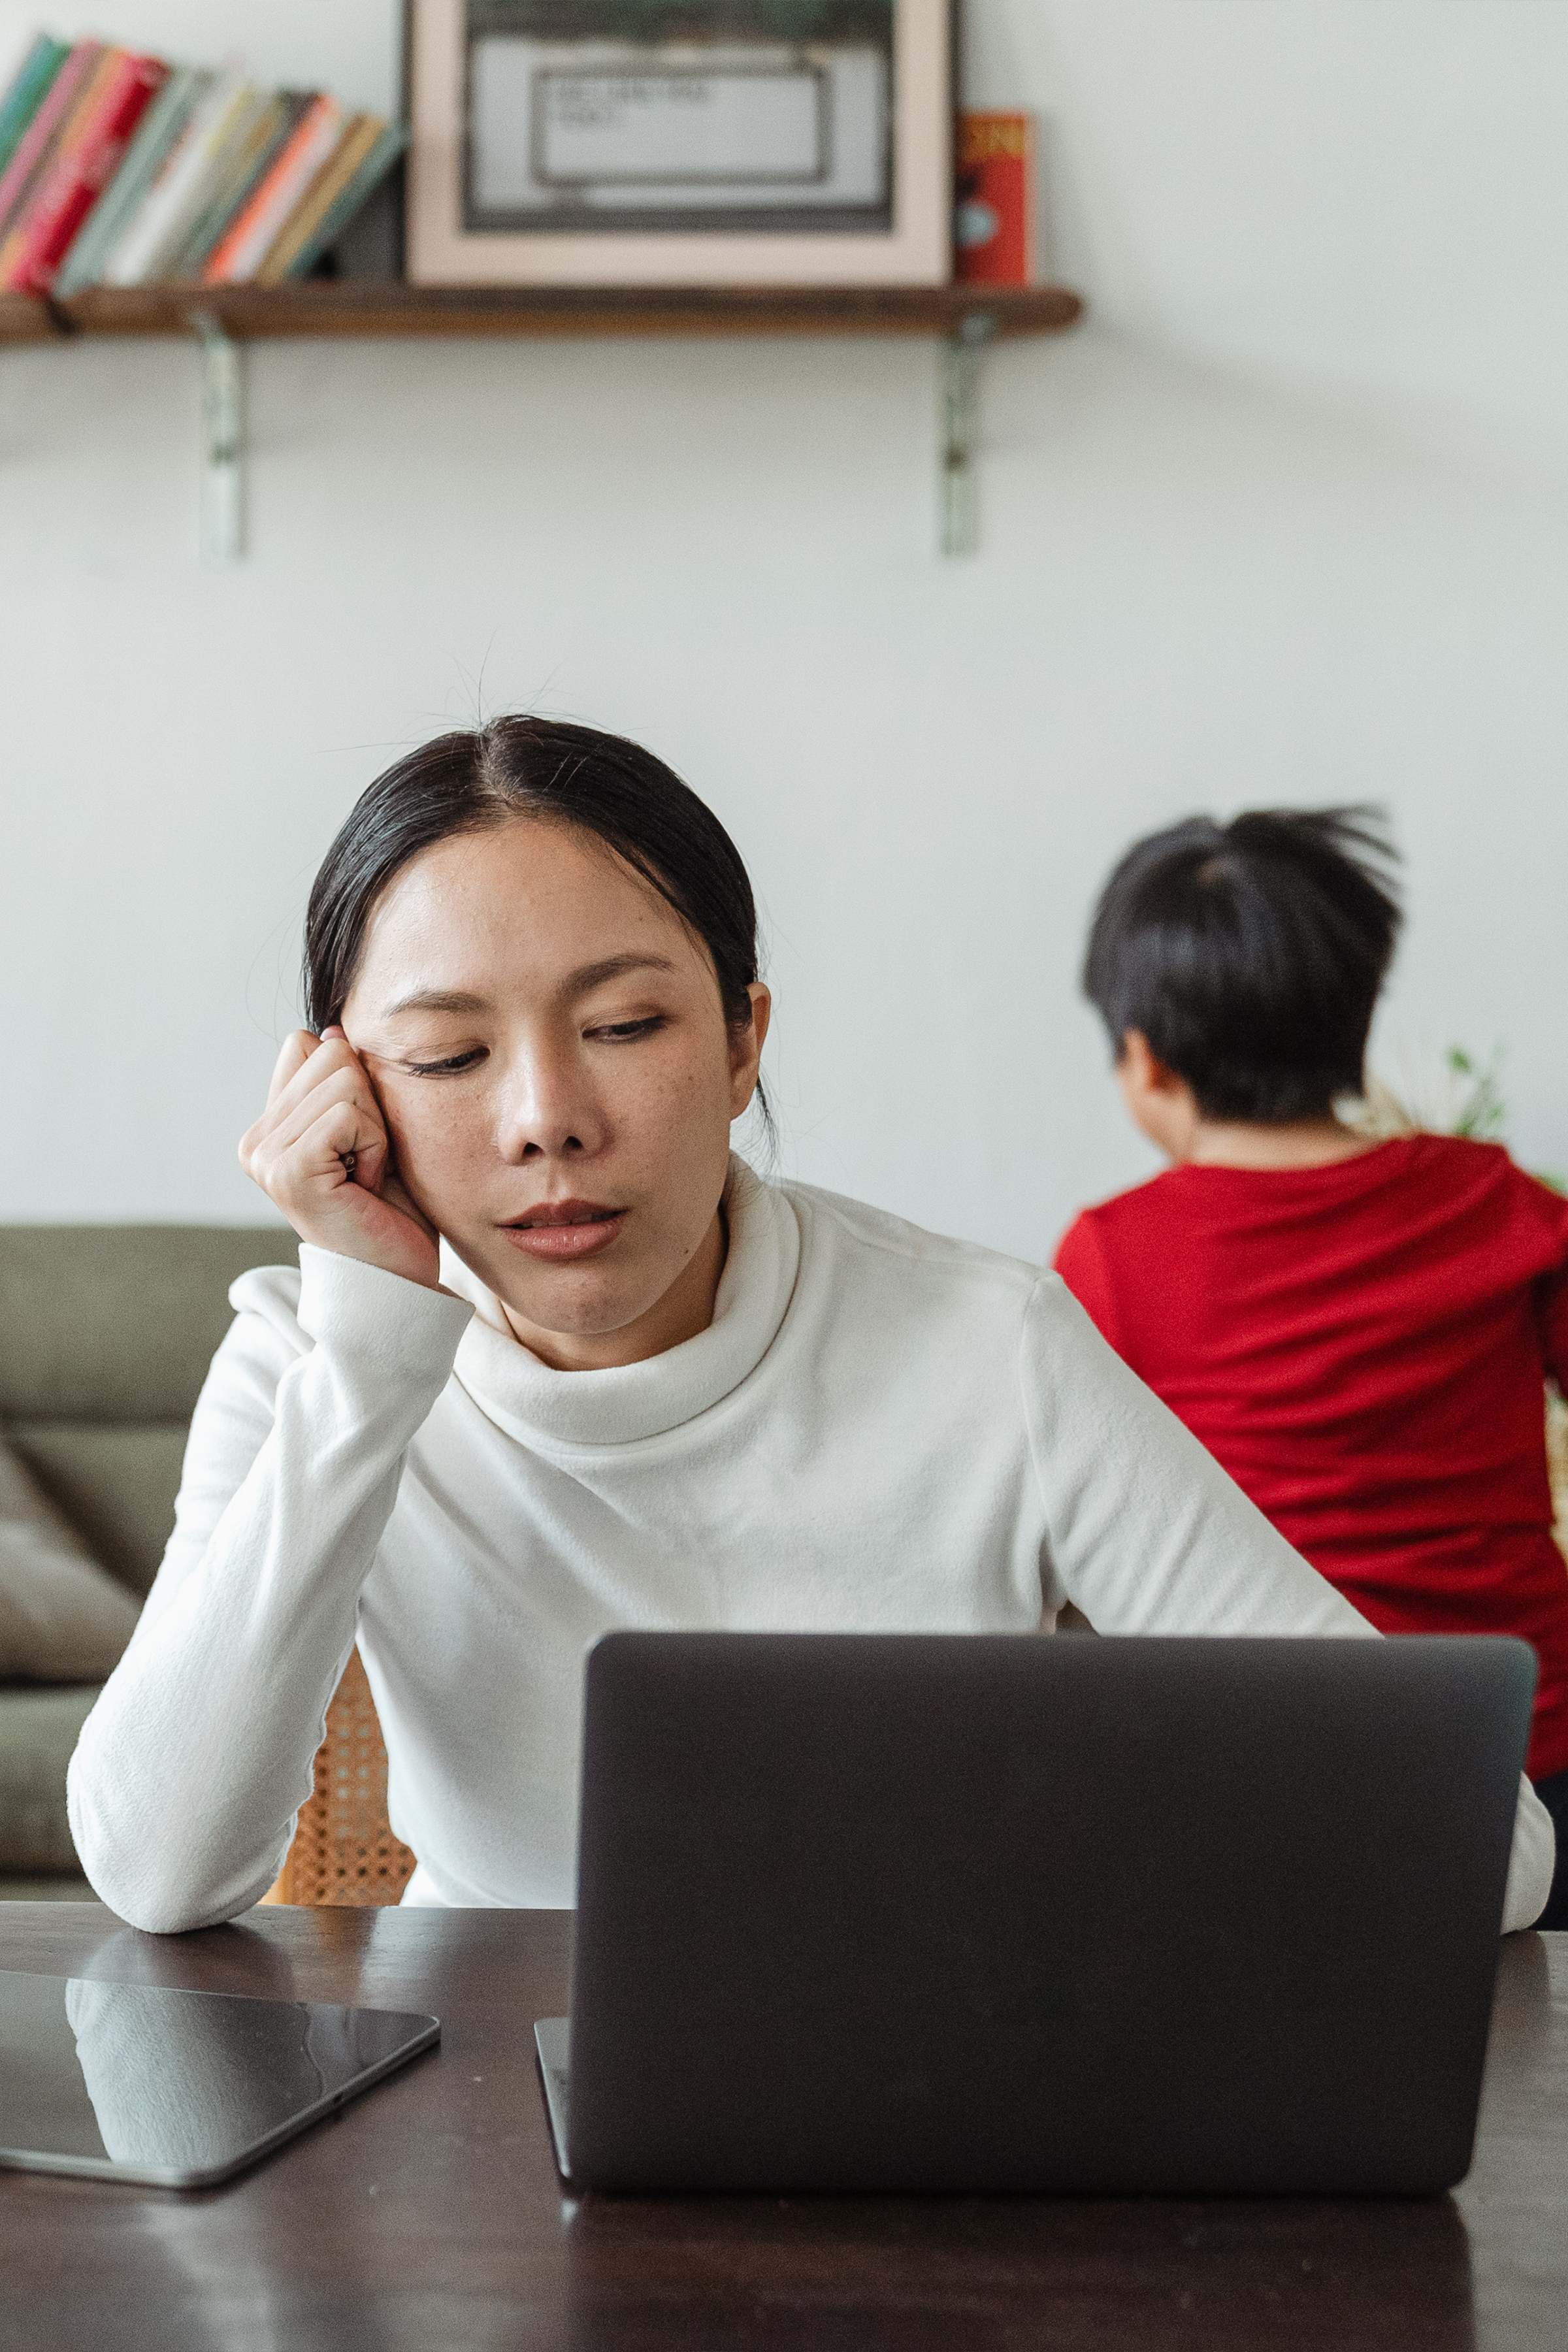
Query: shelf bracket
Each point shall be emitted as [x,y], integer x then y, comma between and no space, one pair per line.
[223,420]
[959,528]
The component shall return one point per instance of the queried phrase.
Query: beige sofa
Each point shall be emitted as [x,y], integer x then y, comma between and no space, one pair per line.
[106,1333]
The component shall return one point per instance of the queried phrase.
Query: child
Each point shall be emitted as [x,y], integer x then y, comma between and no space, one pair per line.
[1359,1331]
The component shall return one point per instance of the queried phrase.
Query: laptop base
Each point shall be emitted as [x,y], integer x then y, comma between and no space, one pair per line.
[552,2043]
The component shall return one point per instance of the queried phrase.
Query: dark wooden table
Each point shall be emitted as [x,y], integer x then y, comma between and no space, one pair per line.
[428,2216]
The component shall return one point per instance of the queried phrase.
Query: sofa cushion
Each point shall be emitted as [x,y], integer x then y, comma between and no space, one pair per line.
[116,1484]
[119,1323]
[39,1731]
[106,1333]
[62,1618]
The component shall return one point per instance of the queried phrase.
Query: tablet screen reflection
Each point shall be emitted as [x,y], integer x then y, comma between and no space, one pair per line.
[145,2080]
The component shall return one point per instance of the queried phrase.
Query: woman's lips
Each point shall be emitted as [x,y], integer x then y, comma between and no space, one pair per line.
[565,1228]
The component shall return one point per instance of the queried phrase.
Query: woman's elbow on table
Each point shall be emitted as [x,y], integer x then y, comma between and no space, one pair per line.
[163,1881]
[1531,1864]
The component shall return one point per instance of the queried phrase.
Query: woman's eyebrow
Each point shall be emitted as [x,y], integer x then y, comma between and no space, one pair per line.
[593,975]
[435,999]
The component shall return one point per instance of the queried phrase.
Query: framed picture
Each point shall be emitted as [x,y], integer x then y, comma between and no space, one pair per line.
[717,142]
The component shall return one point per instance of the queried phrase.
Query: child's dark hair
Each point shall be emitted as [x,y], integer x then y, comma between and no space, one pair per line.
[1250,955]
[602,784]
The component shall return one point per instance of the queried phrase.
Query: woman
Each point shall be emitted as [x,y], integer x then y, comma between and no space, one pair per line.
[554,1362]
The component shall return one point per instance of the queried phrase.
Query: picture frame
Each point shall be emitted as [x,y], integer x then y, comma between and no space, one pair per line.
[680,142]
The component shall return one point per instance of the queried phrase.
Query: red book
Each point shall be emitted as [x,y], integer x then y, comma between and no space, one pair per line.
[87,160]
[993,221]
[15,181]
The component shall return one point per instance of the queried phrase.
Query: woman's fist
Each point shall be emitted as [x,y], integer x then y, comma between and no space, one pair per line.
[321,1153]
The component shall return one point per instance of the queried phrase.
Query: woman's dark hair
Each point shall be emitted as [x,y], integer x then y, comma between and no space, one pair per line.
[471,780]
[1250,955]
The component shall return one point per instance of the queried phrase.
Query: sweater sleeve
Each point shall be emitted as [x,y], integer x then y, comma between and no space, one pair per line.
[1146,1534]
[191,1769]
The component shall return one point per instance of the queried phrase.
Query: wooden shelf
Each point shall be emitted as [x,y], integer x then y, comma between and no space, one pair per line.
[961,320]
[326,306]
[25,320]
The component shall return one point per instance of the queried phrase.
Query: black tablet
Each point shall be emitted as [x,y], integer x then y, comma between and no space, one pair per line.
[136,2082]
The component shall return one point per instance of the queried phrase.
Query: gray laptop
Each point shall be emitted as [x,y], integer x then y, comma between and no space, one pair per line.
[870,1913]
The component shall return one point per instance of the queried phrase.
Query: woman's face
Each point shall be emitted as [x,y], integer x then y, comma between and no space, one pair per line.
[549,1048]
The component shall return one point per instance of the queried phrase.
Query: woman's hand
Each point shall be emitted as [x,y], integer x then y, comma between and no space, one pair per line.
[322,1152]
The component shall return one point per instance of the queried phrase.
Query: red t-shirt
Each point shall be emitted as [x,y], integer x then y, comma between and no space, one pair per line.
[1364,1348]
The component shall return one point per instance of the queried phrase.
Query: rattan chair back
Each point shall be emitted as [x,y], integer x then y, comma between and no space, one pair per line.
[344,1850]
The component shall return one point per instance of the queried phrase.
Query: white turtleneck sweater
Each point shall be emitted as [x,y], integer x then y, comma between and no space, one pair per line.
[880,1431]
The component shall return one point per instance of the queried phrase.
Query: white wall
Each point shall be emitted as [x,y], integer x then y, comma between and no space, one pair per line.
[1288,521]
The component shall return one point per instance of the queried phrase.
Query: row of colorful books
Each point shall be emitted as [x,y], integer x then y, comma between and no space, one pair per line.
[120,170]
